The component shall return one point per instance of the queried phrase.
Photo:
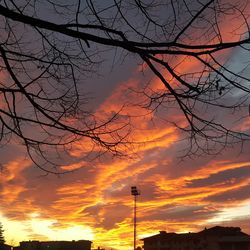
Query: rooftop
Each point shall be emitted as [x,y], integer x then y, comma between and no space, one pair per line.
[217,230]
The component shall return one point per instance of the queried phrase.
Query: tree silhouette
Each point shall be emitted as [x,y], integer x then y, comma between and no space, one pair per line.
[49,47]
[1,235]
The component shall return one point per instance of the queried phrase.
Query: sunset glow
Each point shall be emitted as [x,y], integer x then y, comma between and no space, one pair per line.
[94,202]
[179,192]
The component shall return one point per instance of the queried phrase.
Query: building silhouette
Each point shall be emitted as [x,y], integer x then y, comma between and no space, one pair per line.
[215,238]
[5,247]
[54,245]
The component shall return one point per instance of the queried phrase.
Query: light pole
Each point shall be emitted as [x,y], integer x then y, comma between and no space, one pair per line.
[135,192]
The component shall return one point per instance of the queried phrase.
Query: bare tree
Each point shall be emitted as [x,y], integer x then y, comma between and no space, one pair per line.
[47,47]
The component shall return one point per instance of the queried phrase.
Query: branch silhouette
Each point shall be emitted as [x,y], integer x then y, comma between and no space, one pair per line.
[44,55]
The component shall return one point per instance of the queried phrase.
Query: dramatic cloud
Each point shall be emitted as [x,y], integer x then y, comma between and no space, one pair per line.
[94,202]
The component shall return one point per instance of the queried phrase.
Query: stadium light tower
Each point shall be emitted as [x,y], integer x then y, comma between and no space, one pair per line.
[135,192]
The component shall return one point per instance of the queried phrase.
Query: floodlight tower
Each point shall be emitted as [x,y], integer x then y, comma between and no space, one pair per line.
[135,192]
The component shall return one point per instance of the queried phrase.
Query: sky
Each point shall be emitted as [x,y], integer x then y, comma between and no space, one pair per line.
[94,202]
[178,194]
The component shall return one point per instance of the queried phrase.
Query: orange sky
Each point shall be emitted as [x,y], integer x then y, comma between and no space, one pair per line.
[94,202]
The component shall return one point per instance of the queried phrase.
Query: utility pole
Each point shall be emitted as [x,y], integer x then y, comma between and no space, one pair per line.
[135,192]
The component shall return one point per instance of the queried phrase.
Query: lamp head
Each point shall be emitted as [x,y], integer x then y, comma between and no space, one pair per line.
[134,191]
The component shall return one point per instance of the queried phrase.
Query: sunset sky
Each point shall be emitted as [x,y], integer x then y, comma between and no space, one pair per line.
[178,194]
